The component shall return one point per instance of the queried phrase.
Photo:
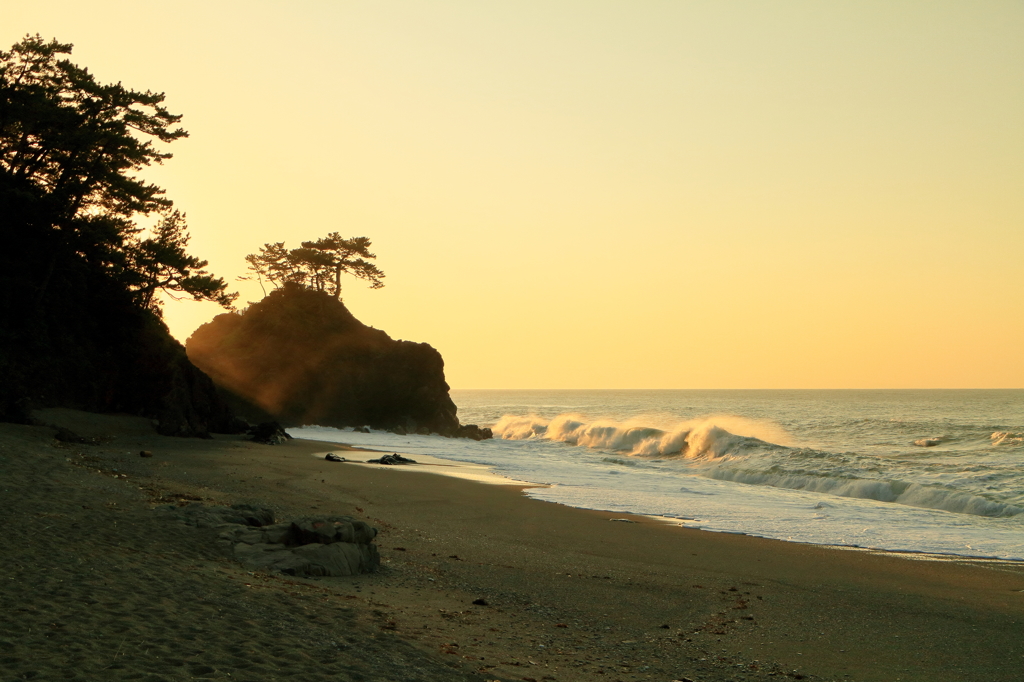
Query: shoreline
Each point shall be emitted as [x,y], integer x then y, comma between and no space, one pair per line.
[470,471]
[898,553]
[569,596]
[912,511]
[498,479]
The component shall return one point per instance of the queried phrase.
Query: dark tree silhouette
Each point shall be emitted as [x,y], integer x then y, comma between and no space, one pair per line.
[74,145]
[160,263]
[317,265]
[79,321]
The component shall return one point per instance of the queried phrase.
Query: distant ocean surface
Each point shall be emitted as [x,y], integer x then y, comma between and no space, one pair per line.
[929,471]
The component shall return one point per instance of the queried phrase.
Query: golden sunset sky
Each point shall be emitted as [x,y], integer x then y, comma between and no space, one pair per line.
[599,194]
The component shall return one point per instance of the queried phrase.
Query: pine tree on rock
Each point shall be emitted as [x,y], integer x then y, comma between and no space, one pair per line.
[317,265]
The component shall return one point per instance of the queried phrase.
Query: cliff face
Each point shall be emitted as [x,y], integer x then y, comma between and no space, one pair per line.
[300,357]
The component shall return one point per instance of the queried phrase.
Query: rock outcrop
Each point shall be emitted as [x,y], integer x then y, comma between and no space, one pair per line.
[269,433]
[392,460]
[320,546]
[300,357]
[330,546]
[473,431]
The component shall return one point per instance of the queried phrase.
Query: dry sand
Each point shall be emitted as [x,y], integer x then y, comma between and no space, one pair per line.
[99,586]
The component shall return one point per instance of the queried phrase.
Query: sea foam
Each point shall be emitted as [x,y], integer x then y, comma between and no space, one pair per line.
[698,439]
[1007,438]
[895,491]
[829,467]
[724,455]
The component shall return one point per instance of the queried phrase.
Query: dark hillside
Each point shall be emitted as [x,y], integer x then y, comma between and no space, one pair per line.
[300,356]
[79,279]
[72,336]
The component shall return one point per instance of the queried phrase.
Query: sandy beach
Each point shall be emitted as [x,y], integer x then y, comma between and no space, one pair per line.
[100,585]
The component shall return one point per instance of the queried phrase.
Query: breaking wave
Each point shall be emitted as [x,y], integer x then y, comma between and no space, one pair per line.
[898,492]
[1007,438]
[740,450]
[701,439]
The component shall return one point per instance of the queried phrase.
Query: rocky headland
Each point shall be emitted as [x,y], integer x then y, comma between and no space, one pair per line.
[300,357]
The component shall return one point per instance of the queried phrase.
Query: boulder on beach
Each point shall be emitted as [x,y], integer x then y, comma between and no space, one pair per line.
[269,433]
[326,530]
[392,459]
[323,546]
[314,546]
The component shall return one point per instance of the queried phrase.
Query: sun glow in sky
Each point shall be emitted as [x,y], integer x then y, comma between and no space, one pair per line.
[607,194]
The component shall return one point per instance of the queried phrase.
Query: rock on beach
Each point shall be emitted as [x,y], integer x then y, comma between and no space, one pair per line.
[315,546]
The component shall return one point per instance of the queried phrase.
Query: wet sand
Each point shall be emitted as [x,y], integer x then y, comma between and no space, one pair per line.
[100,586]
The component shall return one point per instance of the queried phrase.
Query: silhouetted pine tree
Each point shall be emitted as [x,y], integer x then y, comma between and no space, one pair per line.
[79,322]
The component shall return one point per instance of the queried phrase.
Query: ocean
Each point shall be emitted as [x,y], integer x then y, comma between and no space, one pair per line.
[931,472]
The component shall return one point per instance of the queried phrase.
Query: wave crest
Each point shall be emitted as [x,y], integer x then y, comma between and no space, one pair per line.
[1007,438]
[695,439]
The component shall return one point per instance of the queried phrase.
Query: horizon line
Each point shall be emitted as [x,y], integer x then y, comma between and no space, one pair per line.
[902,388]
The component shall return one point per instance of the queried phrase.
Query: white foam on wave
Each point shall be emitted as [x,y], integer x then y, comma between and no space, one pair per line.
[713,437]
[1007,438]
[871,513]
[740,450]
[898,492]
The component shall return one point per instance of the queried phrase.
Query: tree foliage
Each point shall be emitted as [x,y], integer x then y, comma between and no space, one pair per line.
[160,263]
[317,265]
[71,147]
[79,322]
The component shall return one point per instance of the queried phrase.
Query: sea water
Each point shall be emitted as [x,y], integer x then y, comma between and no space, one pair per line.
[924,471]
